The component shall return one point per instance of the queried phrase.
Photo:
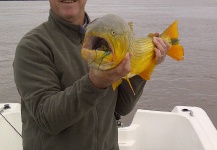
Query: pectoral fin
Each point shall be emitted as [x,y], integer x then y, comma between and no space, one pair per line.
[128,80]
[116,84]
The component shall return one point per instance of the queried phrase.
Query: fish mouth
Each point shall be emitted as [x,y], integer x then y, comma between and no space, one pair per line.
[98,52]
[98,43]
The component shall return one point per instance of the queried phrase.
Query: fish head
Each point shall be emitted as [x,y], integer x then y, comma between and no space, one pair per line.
[107,41]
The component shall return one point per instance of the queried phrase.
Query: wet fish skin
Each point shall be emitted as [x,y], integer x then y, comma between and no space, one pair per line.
[115,38]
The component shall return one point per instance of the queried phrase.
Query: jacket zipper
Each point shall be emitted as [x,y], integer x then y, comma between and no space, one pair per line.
[96,128]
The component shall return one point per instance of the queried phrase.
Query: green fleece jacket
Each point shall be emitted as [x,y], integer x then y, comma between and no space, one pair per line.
[60,107]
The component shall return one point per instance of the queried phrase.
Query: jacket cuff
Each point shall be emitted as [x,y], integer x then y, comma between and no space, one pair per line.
[90,86]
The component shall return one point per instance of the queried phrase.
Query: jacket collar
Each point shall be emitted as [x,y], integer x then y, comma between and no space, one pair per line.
[66,27]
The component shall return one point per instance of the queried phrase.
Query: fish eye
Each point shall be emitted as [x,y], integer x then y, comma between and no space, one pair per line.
[113,32]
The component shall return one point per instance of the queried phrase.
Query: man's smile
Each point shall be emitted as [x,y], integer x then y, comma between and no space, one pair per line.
[68,1]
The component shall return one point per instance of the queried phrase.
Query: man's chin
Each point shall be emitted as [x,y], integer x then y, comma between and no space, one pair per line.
[69,14]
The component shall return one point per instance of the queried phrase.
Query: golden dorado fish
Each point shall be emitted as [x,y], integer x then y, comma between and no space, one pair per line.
[108,39]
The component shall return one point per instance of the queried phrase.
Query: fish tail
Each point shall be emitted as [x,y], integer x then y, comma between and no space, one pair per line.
[176,50]
[172,31]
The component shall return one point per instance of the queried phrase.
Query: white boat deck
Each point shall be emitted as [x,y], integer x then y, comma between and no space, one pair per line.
[185,128]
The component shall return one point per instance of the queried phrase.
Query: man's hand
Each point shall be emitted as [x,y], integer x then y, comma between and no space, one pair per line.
[161,48]
[102,79]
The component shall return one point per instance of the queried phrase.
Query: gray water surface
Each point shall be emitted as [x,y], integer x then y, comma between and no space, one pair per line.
[192,82]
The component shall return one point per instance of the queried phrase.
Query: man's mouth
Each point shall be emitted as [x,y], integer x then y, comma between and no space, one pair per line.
[69,1]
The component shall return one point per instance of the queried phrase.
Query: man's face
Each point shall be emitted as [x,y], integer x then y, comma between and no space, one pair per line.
[70,10]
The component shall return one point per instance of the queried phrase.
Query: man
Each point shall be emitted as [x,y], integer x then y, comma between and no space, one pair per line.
[64,104]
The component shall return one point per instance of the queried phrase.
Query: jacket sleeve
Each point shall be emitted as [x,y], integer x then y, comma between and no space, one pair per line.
[126,98]
[38,84]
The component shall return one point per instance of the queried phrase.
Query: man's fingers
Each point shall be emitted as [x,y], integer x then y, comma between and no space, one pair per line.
[159,45]
[102,79]
[124,67]
[161,49]
[167,45]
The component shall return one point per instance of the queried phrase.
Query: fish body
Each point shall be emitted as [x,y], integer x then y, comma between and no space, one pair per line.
[108,39]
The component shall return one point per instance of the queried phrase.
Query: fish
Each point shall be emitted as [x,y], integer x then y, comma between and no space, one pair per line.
[109,38]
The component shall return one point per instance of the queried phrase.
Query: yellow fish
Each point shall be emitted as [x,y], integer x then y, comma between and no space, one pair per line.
[108,39]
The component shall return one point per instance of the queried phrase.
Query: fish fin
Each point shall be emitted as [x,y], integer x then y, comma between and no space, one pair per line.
[128,80]
[131,26]
[151,35]
[146,74]
[172,31]
[116,84]
[176,52]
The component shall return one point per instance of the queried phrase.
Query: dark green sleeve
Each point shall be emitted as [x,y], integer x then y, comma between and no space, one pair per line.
[38,84]
[126,99]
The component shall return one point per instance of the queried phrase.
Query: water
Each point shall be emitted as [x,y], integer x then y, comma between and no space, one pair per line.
[192,82]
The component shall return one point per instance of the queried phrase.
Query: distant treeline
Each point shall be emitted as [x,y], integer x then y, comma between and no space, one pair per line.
[23,0]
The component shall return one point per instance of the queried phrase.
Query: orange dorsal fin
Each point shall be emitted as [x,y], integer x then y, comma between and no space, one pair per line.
[151,35]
